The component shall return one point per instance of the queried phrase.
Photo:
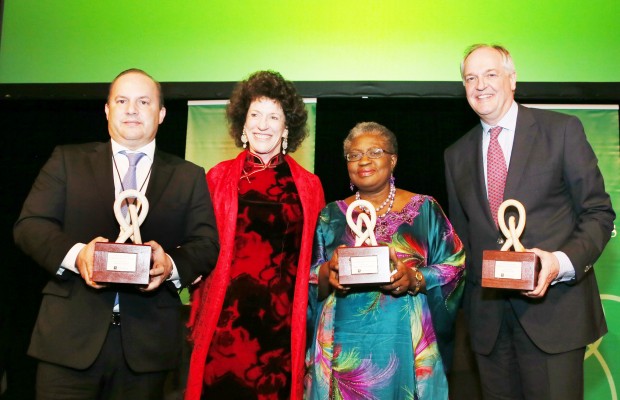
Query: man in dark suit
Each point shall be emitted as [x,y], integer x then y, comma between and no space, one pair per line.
[113,341]
[529,344]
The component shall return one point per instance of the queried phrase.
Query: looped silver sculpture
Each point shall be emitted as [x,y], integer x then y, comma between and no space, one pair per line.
[136,214]
[366,263]
[120,262]
[511,232]
[363,236]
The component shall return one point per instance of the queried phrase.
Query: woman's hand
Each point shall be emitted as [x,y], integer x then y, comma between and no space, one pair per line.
[403,280]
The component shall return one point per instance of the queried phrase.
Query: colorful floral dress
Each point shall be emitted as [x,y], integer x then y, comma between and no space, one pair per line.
[249,356]
[372,345]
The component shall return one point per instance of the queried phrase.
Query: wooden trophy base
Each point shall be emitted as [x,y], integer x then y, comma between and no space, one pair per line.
[510,270]
[122,263]
[366,265]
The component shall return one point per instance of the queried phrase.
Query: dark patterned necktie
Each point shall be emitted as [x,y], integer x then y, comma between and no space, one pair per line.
[496,172]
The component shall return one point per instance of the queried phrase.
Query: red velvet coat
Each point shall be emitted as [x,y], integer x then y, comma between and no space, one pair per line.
[207,300]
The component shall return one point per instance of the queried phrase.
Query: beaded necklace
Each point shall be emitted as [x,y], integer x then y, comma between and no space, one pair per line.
[389,200]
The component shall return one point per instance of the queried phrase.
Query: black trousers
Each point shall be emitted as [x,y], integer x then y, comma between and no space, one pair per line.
[517,369]
[108,378]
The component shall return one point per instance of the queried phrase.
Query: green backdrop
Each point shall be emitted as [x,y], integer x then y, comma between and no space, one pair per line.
[53,41]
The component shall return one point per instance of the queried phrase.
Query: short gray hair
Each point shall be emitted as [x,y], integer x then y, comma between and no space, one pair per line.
[508,63]
[371,128]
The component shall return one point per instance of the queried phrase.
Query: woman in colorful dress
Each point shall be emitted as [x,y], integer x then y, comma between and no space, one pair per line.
[391,341]
[248,318]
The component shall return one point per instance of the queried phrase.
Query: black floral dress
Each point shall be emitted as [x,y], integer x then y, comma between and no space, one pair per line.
[250,356]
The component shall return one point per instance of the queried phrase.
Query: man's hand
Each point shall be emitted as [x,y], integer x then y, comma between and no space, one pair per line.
[550,268]
[161,268]
[85,261]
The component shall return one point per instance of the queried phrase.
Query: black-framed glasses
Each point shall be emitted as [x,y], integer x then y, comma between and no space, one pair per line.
[373,152]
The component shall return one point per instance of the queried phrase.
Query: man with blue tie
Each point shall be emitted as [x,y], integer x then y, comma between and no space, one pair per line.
[111,341]
[528,344]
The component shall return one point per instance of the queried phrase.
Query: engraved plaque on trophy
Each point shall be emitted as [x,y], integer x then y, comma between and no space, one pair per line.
[505,269]
[366,263]
[122,262]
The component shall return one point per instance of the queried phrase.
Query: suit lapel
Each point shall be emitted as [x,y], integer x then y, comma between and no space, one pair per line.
[477,171]
[160,176]
[101,170]
[525,134]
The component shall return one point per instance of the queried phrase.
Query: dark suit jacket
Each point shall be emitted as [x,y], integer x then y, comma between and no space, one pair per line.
[554,173]
[70,202]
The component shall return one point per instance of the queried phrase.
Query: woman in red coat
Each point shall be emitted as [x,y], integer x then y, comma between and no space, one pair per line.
[249,317]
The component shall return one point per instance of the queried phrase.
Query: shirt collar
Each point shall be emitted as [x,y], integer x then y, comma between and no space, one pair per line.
[149,149]
[508,121]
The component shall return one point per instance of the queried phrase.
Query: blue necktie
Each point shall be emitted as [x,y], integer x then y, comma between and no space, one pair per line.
[129,181]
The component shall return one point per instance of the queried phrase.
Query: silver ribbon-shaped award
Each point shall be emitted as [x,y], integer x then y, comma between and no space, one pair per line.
[122,262]
[366,263]
[510,269]
[136,214]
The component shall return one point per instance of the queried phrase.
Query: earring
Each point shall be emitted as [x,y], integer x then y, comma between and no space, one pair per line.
[244,139]
[284,144]
[351,186]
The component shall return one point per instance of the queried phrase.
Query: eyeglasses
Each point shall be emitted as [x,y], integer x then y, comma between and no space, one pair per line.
[373,152]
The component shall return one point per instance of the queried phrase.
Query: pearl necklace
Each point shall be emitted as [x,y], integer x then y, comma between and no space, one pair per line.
[390,200]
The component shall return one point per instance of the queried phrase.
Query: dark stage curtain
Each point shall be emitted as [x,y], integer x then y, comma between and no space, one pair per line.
[423,127]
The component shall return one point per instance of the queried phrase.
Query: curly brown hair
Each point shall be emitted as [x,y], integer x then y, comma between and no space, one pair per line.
[271,85]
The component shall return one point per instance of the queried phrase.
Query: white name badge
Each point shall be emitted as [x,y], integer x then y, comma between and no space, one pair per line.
[122,262]
[508,269]
[364,265]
